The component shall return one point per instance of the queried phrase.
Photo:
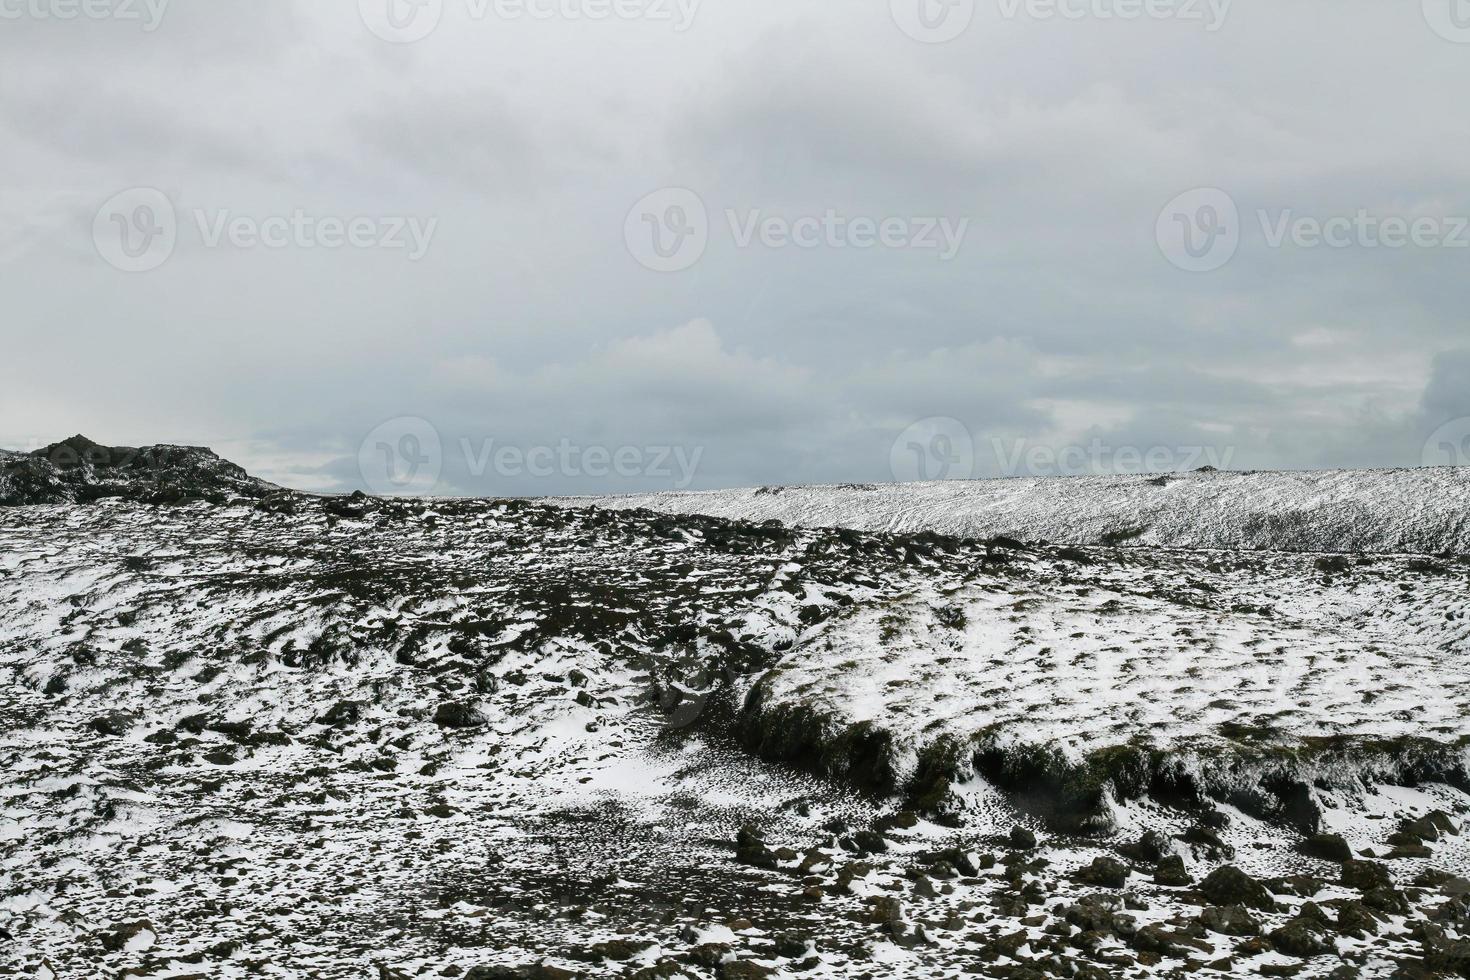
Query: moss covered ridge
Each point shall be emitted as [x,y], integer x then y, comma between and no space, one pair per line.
[1267,775]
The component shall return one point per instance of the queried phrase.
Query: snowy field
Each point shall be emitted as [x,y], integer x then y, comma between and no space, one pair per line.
[1391,511]
[317,738]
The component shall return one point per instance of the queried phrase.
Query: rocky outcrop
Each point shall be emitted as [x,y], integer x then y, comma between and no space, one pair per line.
[80,471]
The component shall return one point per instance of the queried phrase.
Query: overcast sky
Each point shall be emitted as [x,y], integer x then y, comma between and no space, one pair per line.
[531,249]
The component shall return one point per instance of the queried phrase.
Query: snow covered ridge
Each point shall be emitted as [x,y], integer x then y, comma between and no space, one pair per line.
[1418,511]
[78,470]
[1085,678]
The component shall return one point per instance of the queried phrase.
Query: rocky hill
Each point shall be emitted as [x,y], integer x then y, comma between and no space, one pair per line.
[80,471]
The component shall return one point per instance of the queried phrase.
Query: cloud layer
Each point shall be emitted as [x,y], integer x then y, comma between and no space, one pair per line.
[530,322]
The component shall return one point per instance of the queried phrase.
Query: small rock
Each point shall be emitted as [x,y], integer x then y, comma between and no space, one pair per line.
[793,946]
[1171,873]
[459,715]
[1303,938]
[1104,871]
[129,936]
[1151,848]
[1022,839]
[1231,886]
[1207,843]
[1230,920]
[1328,847]
[342,714]
[1354,920]
[113,724]
[1365,875]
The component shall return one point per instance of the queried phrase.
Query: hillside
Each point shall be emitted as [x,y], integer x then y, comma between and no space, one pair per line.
[1419,511]
[78,470]
[501,740]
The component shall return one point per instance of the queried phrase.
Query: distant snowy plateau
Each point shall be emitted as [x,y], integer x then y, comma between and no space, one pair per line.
[1199,724]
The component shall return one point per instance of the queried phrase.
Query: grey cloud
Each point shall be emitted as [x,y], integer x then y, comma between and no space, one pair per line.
[529,321]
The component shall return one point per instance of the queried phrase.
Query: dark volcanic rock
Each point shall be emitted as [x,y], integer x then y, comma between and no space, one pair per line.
[459,714]
[1302,937]
[1104,871]
[1328,847]
[114,724]
[1151,848]
[79,470]
[1365,876]
[1171,873]
[1230,920]
[1231,886]
[1023,839]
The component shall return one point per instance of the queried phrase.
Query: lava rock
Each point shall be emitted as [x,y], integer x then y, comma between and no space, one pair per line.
[751,849]
[1171,873]
[793,946]
[1104,871]
[1022,839]
[1151,848]
[1365,875]
[1230,920]
[1231,886]
[743,970]
[342,714]
[459,715]
[1303,938]
[118,938]
[1328,847]
[1207,843]
[1354,920]
[113,724]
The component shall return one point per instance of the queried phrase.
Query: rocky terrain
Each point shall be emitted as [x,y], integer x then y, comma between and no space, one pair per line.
[1425,511]
[246,732]
[78,470]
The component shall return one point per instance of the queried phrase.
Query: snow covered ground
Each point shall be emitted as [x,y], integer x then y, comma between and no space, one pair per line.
[1423,511]
[313,738]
